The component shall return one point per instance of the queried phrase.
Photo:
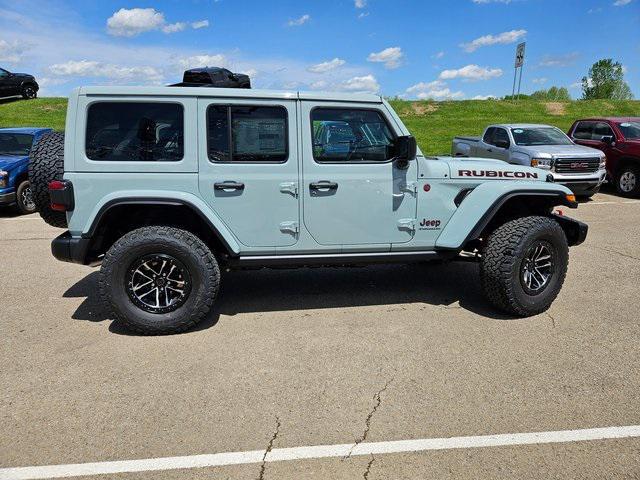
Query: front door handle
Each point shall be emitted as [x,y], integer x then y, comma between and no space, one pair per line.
[323,185]
[228,186]
[489,150]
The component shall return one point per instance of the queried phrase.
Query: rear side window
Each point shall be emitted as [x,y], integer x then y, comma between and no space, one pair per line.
[488,135]
[602,130]
[351,136]
[583,130]
[135,132]
[247,134]
[500,135]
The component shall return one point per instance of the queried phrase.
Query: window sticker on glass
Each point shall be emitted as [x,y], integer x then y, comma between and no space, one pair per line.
[626,124]
[518,130]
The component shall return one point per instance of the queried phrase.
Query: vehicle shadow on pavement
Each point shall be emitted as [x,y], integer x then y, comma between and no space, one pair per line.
[9,212]
[450,286]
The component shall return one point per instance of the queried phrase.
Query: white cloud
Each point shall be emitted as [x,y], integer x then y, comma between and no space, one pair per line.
[484,97]
[471,73]
[424,86]
[200,24]
[195,61]
[366,84]
[391,57]
[91,68]
[131,22]
[319,85]
[438,56]
[11,52]
[559,60]
[620,3]
[299,21]
[363,15]
[174,27]
[134,21]
[325,67]
[360,3]
[503,38]
[539,81]
[436,90]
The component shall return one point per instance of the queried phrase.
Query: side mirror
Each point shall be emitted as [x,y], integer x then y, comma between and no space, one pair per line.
[608,139]
[406,147]
[502,143]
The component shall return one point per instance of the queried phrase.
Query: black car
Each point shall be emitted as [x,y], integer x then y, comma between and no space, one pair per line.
[14,84]
[213,77]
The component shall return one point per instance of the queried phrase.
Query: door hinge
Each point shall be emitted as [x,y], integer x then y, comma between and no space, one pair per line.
[407,224]
[289,187]
[289,227]
[410,187]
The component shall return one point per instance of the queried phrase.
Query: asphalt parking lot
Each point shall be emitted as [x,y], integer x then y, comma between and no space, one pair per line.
[302,358]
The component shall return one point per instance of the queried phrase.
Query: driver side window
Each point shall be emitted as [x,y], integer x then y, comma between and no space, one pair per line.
[351,136]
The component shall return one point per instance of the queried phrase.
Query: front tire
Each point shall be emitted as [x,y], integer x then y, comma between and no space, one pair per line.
[24,198]
[29,92]
[159,280]
[628,181]
[524,265]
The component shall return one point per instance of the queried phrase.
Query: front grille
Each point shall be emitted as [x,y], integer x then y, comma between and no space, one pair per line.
[577,165]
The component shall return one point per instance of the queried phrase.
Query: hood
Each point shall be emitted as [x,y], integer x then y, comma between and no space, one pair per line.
[7,162]
[560,151]
[484,169]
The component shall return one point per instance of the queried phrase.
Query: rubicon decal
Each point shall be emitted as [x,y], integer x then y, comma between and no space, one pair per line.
[496,174]
[427,224]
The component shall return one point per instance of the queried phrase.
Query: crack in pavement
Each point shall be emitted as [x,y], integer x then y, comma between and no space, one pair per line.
[609,250]
[367,423]
[553,320]
[368,469]
[263,465]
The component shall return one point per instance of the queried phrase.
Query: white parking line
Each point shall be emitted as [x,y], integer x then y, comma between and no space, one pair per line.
[315,452]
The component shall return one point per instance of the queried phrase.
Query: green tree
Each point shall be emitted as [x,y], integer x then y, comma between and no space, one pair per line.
[557,94]
[605,81]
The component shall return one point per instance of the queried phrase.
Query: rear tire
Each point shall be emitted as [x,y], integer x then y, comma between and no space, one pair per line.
[628,181]
[24,198]
[159,280]
[47,164]
[514,272]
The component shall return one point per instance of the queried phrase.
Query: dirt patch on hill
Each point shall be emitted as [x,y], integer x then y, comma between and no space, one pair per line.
[555,108]
[423,108]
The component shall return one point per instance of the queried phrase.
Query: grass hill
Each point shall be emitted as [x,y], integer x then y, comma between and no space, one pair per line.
[433,123]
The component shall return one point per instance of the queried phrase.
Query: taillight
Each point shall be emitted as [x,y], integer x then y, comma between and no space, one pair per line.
[61,194]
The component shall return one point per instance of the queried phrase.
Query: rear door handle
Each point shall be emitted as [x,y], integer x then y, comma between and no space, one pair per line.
[228,186]
[323,185]
[489,150]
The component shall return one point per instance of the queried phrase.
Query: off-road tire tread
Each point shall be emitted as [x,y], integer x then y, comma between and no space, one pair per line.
[155,236]
[499,257]
[47,164]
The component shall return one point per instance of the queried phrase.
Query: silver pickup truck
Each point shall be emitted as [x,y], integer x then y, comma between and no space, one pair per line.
[582,169]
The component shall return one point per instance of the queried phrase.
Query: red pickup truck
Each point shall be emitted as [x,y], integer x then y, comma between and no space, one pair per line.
[619,139]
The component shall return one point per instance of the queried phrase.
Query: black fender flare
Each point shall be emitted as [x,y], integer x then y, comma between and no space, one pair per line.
[154,201]
[500,201]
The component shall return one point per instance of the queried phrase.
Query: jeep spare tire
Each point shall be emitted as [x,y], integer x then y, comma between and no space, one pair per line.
[47,164]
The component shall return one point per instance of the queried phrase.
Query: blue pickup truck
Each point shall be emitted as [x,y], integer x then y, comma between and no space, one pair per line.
[15,146]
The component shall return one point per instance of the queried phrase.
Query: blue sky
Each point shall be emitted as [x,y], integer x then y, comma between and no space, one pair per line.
[456,49]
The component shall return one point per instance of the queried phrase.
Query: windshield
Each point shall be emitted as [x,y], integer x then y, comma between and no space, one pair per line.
[630,130]
[15,144]
[539,136]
